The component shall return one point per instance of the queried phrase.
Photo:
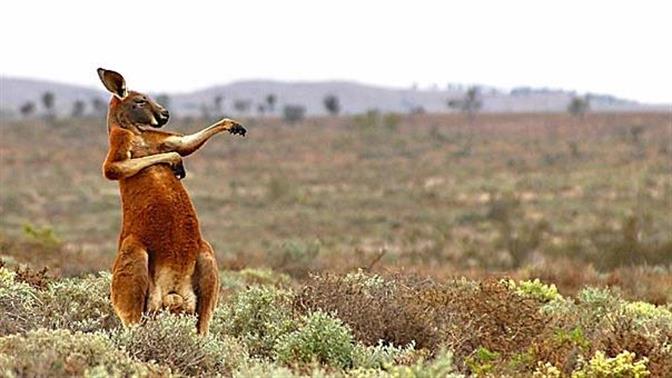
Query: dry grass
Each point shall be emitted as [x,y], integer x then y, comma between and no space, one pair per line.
[519,194]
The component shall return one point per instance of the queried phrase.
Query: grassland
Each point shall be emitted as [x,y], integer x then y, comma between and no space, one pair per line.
[417,202]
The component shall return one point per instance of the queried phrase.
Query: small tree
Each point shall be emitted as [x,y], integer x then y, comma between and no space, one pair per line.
[470,104]
[78,108]
[579,106]
[294,113]
[270,101]
[27,109]
[48,100]
[332,104]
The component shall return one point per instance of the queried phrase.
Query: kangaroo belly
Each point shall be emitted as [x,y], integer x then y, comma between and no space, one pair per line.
[159,212]
[172,291]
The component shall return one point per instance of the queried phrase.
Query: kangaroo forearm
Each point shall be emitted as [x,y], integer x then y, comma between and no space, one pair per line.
[188,144]
[127,168]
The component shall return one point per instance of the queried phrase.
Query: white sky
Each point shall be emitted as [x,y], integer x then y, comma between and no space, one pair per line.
[620,48]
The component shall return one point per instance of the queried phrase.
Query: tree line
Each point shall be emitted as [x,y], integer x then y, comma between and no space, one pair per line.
[471,103]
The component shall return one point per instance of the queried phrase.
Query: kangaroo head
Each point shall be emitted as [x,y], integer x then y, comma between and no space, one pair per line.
[129,108]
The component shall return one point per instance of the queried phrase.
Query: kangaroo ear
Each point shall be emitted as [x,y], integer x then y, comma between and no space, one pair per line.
[114,82]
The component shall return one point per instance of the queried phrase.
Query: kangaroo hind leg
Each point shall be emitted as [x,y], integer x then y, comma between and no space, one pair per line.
[206,284]
[130,281]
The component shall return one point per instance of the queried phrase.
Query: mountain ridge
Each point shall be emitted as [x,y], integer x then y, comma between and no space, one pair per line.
[355,97]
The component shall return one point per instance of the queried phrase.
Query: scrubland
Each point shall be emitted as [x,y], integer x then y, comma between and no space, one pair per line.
[375,245]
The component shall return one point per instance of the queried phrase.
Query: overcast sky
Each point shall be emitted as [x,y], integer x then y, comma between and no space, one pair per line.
[621,48]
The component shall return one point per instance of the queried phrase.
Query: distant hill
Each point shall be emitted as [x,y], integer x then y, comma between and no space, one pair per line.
[354,98]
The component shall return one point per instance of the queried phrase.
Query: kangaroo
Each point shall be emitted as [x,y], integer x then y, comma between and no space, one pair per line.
[162,259]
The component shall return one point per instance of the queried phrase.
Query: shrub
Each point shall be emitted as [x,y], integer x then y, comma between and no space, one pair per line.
[392,121]
[623,365]
[381,356]
[45,353]
[38,279]
[296,258]
[481,362]
[441,366]
[18,301]
[643,311]
[74,304]
[269,369]
[458,314]
[171,340]
[535,289]
[78,304]
[368,120]
[247,277]
[374,308]
[319,338]
[619,332]
[601,320]
[546,370]
[258,316]
[293,113]
[597,302]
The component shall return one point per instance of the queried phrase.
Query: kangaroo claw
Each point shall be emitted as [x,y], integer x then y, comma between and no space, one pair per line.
[238,129]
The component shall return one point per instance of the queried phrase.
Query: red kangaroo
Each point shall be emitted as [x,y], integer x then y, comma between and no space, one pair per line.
[162,259]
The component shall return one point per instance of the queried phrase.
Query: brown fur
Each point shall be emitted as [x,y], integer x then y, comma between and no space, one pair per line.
[162,261]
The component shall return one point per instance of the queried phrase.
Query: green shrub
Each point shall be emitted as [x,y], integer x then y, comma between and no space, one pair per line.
[643,311]
[43,236]
[482,361]
[45,353]
[319,338]
[546,370]
[78,304]
[380,356]
[623,365]
[18,302]
[248,277]
[441,366]
[258,316]
[373,308]
[171,340]
[296,257]
[595,303]
[535,289]
[269,369]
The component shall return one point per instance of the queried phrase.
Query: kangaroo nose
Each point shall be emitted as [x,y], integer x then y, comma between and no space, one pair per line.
[165,114]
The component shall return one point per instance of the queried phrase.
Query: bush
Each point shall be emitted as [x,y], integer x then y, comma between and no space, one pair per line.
[319,338]
[74,304]
[248,277]
[441,366]
[45,353]
[172,340]
[18,302]
[257,316]
[79,304]
[536,289]
[374,308]
[381,356]
[296,258]
[601,321]
[293,113]
[623,365]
